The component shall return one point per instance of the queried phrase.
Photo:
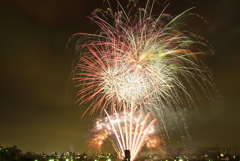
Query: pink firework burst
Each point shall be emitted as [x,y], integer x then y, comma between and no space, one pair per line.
[139,58]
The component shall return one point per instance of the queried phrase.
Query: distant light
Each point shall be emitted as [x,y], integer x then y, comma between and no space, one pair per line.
[109,160]
[67,160]
[180,159]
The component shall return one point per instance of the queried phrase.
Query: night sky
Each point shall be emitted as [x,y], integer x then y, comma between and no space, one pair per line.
[37,103]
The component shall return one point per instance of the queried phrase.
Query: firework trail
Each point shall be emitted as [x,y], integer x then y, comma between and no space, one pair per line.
[141,58]
[127,130]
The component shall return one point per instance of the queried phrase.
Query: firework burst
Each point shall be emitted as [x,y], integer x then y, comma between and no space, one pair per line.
[140,58]
[127,130]
[139,62]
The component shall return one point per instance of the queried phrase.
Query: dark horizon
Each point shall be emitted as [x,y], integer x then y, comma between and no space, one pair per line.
[216,150]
